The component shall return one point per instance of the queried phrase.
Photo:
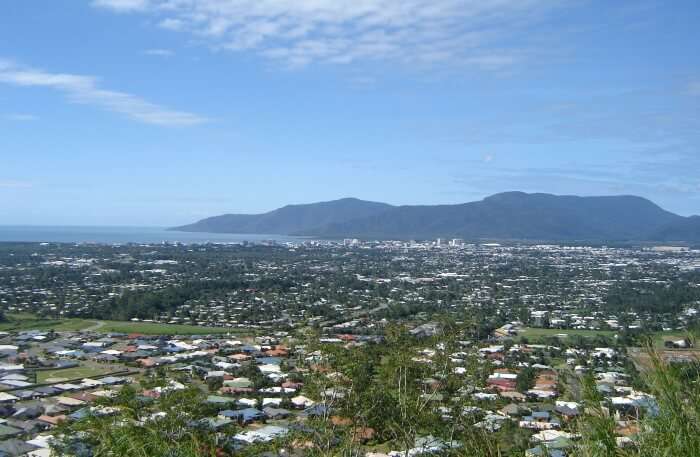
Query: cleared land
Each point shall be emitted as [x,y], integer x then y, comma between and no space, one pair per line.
[643,360]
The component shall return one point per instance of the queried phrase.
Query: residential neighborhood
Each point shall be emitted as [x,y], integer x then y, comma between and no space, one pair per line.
[287,345]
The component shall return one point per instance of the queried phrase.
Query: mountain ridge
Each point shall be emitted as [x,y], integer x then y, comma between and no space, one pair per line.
[507,215]
[287,219]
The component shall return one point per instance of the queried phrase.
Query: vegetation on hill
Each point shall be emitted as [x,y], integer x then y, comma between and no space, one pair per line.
[389,397]
[290,219]
[511,215]
[687,229]
[674,431]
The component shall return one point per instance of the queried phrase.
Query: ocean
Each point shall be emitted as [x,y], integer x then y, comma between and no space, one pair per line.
[123,235]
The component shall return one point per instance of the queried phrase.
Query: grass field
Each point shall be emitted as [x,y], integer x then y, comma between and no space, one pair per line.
[534,333]
[150,328]
[660,337]
[72,373]
[19,322]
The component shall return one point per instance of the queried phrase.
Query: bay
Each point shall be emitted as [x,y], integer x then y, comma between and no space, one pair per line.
[123,235]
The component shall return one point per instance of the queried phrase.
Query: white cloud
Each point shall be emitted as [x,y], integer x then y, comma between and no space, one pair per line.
[21,117]
[299,32]
[171,24]
[86,90]
[121,5]
[159,52]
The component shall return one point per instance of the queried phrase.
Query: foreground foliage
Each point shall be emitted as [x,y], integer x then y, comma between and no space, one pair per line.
[384,388]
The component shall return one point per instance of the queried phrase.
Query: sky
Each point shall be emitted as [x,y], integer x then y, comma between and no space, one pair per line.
[162,112]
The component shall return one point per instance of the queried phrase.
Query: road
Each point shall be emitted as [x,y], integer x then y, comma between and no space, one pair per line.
[93,328]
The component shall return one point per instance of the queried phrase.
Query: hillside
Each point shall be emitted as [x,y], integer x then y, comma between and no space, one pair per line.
[687,229]
[516,215]
[289,219]
[510,215]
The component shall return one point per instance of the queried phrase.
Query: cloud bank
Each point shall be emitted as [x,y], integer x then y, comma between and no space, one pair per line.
[300,32]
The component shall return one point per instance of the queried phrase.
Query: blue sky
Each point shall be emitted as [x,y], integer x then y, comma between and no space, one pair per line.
[160,112]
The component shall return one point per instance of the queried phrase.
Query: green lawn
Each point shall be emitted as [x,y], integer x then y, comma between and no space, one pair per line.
[150,328]
[534,333]
[19,322]
[660,337]
[25,321]
[73,373]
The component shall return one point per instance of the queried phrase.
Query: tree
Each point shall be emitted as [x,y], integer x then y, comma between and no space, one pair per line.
[525,379]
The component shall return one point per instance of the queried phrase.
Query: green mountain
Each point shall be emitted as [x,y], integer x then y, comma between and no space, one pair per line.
[688,230]
[510,215]
[290,219]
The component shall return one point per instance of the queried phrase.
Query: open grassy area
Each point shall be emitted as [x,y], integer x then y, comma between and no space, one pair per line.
[73,373]
[151,328]
[534,333]
[19,322]
[660,337]
[25,321]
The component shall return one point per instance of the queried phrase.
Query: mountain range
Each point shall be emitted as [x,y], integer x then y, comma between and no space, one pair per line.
[504,216]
